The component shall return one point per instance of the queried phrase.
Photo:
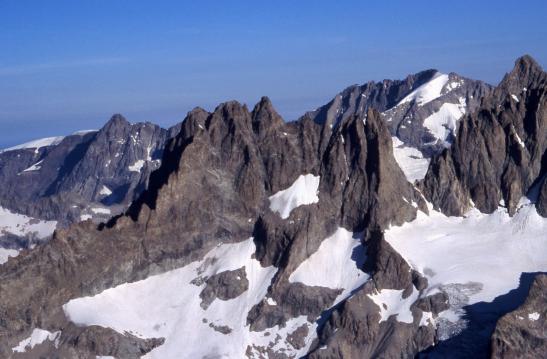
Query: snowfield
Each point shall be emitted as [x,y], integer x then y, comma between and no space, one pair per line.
[20,225]
[333,266]
[410,160]
[480,255]
[303,191]
[443,122]
[428,91]
[168,305]
[7,253]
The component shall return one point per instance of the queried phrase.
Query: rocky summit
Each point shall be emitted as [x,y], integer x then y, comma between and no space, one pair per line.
[402,219]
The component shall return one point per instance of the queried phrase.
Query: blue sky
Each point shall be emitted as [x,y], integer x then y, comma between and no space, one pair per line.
[68,65]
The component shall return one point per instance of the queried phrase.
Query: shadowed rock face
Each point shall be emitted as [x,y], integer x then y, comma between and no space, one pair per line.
[523,332]
[499,154]
[107,168]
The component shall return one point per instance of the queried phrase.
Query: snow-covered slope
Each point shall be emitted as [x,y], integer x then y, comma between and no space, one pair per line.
[168,305]
[21,225]
[476,257]
[303,191]
[336,264]
[36,144]
[428,91]
[410,159]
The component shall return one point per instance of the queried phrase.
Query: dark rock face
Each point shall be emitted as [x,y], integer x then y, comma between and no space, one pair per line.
[523,332]
[403,116]
[224,286]
[500,149]
[89,175]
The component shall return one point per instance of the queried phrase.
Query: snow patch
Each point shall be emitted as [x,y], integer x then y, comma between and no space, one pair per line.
[85,217]
[443,122]
[34,167]
[99,210]
[137,166]
[105,191]
[428,91]
[6,253]
[410,160]
[334,265]
[21,225]
[514,97]
[533,316]
[391,302]
[37,337]
[302,192]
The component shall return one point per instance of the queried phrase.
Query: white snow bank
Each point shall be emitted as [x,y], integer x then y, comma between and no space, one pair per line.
[533,316]
[137,166]
[410,160]
[105,191]
[37,337]
[303,191]
[20,225]
[5,253]
[391,302]
[43,142]
[334,264]
[489,249]
[99,210]
[168,305]
[443,122]
[428,91]
[34,167]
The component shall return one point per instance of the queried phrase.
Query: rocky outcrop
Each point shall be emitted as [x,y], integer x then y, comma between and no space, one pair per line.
[499,154]
[224,286]
[523,333]
[93,174]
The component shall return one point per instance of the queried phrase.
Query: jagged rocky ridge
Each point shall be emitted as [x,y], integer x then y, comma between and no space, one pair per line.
[88,175]
[213,191]
[422,110]
[499,154]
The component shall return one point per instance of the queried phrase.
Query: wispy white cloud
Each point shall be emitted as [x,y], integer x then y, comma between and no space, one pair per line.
[25,69]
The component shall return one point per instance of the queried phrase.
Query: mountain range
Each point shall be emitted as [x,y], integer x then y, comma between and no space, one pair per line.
[402,219]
